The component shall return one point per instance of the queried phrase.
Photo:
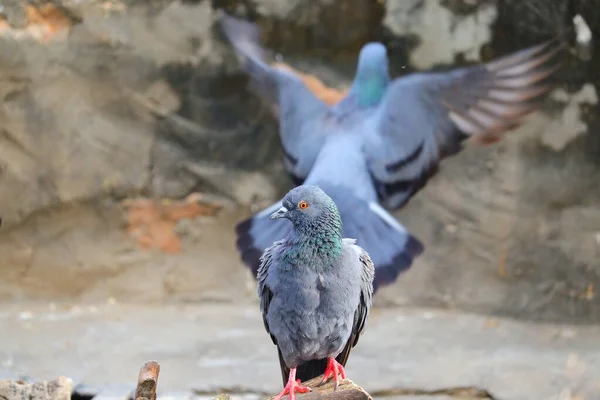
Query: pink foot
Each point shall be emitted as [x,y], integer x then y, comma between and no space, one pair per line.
[334,369]
[292,387]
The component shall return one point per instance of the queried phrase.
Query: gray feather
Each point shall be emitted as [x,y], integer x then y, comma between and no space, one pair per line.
[425,117]
[316,307]
[303,117]
[386,139]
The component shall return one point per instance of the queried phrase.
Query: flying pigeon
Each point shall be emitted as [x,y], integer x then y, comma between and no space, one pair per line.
[315,290]
[384,140]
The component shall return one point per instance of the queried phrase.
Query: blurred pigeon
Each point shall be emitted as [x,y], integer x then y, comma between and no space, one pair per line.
[315,290]
[383,141]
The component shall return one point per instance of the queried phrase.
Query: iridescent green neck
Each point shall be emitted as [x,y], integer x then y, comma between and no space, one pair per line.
[370,90]
[317,243]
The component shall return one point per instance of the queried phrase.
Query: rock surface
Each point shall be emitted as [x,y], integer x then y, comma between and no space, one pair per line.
[145,98]
[224,348]
[57,389]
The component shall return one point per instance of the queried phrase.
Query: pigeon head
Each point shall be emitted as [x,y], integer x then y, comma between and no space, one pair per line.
[317,233]
[372,75]
[309,207]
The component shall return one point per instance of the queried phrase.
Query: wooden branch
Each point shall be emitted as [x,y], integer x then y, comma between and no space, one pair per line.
[58,389]
[347,390]
[62,388]
[147,381]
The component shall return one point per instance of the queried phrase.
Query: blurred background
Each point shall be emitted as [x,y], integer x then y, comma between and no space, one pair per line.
[130,146]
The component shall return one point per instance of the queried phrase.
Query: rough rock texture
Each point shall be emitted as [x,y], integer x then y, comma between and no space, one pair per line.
[58,389]
[145,98]
[515,225]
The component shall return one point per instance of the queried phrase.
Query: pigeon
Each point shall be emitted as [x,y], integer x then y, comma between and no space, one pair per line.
[315,290]
[377,147]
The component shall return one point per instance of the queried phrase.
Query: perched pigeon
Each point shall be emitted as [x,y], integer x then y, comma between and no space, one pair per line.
[382,142]
[315,290]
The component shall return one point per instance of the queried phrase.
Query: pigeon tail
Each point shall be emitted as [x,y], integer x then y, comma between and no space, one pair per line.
[311,369]
[307,370]
[391,247]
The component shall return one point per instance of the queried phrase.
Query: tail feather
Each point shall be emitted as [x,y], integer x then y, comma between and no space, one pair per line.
[313,368]
[305,371]
[391,247]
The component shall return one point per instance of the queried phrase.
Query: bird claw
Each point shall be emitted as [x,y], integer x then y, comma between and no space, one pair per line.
[335,370]
[293,386]
[302,387]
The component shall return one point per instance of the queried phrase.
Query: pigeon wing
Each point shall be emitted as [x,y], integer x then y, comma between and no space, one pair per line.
[264,291]
[303,116]
[265,294]
[364,306]
[425,117]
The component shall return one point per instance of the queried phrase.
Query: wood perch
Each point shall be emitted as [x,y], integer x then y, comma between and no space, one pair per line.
[62,388]
[58,389]
[147,381]
[347,390]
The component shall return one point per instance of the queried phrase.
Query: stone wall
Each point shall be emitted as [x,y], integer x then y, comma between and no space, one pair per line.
[145,98]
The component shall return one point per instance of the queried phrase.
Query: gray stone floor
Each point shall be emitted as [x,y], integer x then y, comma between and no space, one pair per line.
[211,347]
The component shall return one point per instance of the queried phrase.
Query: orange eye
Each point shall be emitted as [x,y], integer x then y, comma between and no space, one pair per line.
[303,205]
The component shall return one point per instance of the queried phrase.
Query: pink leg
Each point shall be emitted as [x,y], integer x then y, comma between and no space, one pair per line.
[292,387]
[334,369]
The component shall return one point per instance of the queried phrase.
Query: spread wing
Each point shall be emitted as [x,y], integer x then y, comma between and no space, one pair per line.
[364,306]
[425,117]
[302,115]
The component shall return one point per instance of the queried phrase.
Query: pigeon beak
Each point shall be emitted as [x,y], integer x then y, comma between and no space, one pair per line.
[281,213]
